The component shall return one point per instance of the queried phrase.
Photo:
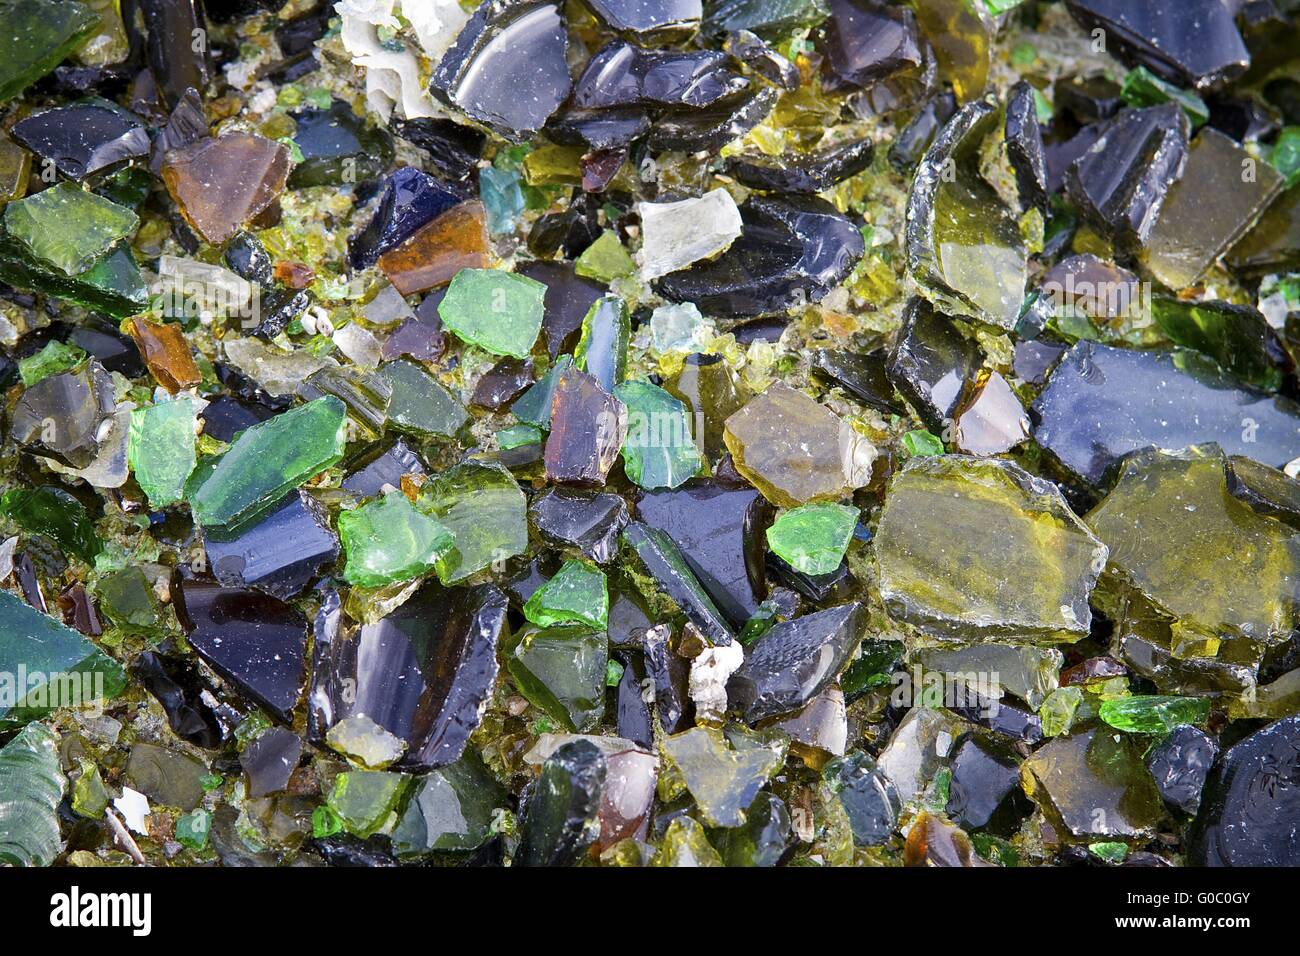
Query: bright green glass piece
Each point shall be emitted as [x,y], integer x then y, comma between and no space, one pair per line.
[388,540]
[270,459]
[54,358]
[1144,88]
[419,404]
[921,442]
[562,671]
[496,310]
[486,512]
[1285,155]
[814,538]
[193,828]
[56,514]
[605,259]
[1109,851]
[659,451]
[36,36]
[578,594]
[602,348]
[160,449]
[66,227]
[1154,714]
[34,646]
[365,799]
[517,436]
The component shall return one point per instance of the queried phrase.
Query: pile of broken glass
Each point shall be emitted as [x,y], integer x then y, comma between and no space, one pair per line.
[650,432]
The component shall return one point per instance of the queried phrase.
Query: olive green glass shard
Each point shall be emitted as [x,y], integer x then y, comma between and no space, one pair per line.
[1093,785]
[1038,562]
[964,245]
[486,512]
[961,32]
[112,284]
[365,800]
[387,541]
[1222,193]
[67,228]
[1184,545]
[1238,337]
[722,779]
[576,595]
[35,38]
[268,460]
[161,449]
[562,671]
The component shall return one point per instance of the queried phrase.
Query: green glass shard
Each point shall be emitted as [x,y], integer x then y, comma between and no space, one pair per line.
[161,449]
[268,460]
[36,37]
[388,540]
[56,514]
[1038,562]
[813,539]
[1192,553]
[1143,88]
[562,671]
[685,843]
[89,795]
[66,227]
[919,442]
[602,348]
[486,512]
[32,783]
[1154,714]
[112,285]
[496,310]
[724,781]
[1236,336]
[534,406]
[54,358]
[192,829]
[770,19]
[577,594]
[517,436]
[451,808]
[419,404]
[59,667]
[659,451]
[1285,155]
[1109,851]
[364,800]
[605,259]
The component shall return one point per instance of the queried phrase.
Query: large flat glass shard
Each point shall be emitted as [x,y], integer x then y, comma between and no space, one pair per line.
[1037,562]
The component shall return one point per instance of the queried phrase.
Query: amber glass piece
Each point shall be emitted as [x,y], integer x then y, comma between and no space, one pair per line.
[458,239]
[166,353]
[219,184]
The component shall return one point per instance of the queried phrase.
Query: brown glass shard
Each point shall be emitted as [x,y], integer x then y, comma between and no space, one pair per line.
[458,239]
[219,184]
[166,352]
[588,426]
